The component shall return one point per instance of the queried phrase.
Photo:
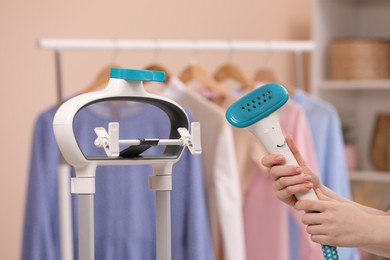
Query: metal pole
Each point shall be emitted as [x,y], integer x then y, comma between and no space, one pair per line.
[299,78]
[161,182]
[64,195]
[65,212]
[57,56]
[175,45]
[86,227]
[163,225]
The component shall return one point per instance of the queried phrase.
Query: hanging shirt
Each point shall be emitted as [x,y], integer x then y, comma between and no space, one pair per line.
[124,208]
[265,217]
[266,225]
[294,122]
[329,147]
[220,171]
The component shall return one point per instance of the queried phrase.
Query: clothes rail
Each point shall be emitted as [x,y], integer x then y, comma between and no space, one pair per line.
[59,45]
[176,45]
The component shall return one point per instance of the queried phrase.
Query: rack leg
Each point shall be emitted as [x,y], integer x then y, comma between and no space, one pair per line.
[161,182]
[86,227]
[65,209]
[163,225]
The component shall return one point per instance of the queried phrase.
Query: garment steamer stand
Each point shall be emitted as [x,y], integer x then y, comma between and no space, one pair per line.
[125,85]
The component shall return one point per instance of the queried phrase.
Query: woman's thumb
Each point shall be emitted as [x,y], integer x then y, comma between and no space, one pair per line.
[293,148]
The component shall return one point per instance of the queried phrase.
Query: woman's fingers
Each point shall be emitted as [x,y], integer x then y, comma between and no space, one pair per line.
[316,230]
[322,240]
[289,180]
[311,206]
[295,151]
[323,237]
[283,182]
[279,171]
[289,191]
[272,159]
[322,196]
[314,218]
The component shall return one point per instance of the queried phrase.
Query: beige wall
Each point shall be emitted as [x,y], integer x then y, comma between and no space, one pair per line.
[27,81]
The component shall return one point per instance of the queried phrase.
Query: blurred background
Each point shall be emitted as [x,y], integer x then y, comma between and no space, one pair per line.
[28,73]
[28,79]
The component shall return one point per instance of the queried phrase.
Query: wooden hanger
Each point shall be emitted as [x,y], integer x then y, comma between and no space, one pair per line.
[231,71]
[159,67]
[101,79]
[267,75]
[200,74]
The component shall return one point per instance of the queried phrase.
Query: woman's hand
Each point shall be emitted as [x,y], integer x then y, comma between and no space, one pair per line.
[335,223]
[290,179]
[332,220]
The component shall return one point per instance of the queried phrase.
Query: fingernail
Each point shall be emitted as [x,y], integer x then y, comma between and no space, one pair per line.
[298,169]
[307,177]
[280,158]
[309,185]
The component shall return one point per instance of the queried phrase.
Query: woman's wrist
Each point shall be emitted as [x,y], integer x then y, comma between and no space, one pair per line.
[378,238]
[380,230]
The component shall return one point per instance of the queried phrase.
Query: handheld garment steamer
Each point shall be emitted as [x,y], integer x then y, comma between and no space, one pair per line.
[125,85]
[259,111]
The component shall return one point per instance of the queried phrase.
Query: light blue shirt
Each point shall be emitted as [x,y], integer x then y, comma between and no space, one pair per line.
[328,140]
[124,207]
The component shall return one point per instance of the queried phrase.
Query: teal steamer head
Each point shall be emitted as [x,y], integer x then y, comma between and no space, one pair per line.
[259,112]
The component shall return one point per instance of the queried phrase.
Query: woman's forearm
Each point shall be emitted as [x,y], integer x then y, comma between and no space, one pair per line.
[385,252]
[379,233]
[377,229]
[328,192]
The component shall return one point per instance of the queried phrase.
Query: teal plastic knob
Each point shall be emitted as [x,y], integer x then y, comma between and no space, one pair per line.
[139,75]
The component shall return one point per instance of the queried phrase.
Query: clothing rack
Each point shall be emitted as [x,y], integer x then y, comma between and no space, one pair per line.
[175,45]
[60,45]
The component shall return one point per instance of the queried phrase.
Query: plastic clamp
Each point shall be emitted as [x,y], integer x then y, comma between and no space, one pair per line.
[160,182]
[82,185]
[192,140]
